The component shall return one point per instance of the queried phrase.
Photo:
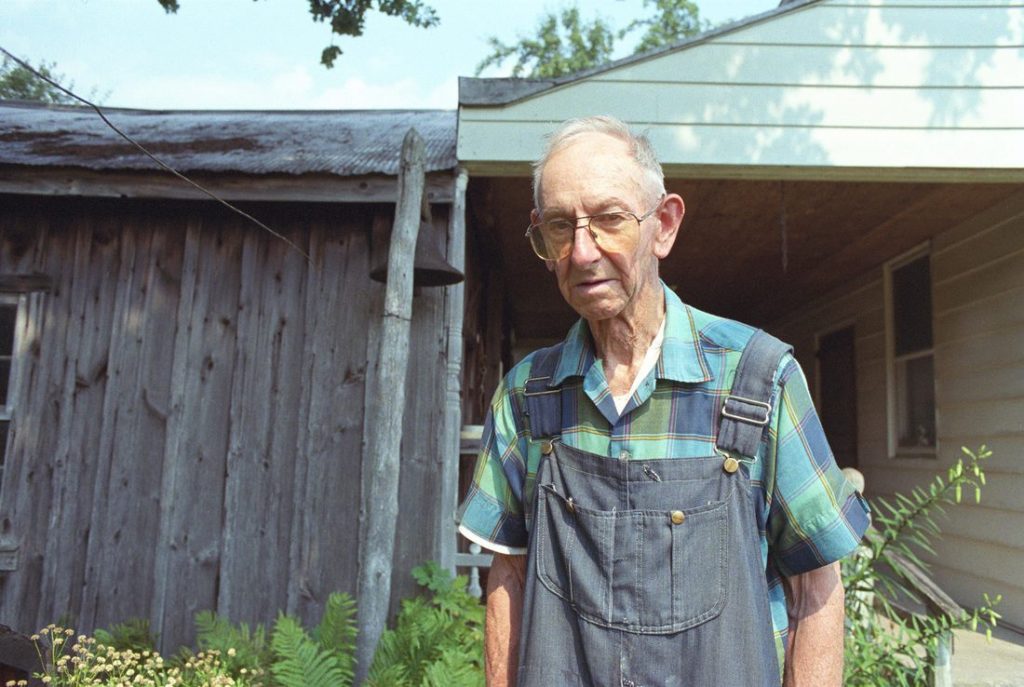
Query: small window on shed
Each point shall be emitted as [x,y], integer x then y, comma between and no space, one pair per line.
[911,355]
[8,321]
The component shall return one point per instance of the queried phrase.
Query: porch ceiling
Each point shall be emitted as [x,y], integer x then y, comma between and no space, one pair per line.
[750,250]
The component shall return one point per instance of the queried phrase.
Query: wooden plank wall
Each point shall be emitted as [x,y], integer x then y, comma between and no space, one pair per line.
[978,282]
[188,427]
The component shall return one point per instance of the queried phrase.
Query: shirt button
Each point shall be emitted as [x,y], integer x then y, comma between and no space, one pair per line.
[624,455]
[677,517]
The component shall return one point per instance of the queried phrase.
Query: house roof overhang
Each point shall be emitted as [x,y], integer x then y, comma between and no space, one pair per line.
[811,90]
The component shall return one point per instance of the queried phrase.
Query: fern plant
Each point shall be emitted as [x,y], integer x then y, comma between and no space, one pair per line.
[437,641]
[299,661]
[134,634]
[883,645]
[287,656]
[336,633]
[244,651]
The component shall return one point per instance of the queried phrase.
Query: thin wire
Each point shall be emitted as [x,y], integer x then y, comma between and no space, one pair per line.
[153,157]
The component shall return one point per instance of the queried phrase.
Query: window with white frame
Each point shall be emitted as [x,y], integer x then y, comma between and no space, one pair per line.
[911,357]
[8,329]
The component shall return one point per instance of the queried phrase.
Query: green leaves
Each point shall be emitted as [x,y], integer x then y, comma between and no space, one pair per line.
[19,83]
[884,644]
[673,21]
[337,631]
[563,43]
[348,17]
[134,634]
[300,661]
[436,641]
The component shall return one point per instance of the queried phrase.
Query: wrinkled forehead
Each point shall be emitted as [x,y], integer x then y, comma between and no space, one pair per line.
[590,168]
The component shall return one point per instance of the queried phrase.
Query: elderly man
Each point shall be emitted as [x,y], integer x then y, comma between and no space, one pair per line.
[657,488]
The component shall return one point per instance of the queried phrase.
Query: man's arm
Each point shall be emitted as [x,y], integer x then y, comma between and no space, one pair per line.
[505,585]
[814,602]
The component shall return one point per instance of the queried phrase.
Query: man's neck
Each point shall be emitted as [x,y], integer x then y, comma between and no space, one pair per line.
[622,341]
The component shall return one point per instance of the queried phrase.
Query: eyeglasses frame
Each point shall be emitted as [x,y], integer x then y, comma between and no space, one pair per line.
[593,235]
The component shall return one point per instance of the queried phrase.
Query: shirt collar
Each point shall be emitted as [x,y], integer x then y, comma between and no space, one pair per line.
[682,355]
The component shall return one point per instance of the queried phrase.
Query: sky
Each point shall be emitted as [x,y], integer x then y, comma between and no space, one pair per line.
[240,54]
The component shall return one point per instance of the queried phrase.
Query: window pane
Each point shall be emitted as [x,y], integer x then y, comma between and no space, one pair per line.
[912,306]
[8,316]
[915,395]
[5,378]
[3,447]
[838,369]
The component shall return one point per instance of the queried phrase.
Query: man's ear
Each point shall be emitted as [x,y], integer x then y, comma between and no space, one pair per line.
[670,216]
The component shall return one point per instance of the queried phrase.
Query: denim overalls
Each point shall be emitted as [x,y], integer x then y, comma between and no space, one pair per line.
[648,573]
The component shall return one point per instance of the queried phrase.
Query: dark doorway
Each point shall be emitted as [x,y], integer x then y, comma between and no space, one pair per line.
[837,380]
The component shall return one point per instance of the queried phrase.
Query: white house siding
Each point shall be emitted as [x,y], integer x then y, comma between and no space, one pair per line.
[890,84]
[978,283]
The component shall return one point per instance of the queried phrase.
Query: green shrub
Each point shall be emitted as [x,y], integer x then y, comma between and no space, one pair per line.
[133,634]
[883,644]
[437,641]
[70,661]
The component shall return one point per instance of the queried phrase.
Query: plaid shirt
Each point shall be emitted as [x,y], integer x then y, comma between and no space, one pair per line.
[811,515]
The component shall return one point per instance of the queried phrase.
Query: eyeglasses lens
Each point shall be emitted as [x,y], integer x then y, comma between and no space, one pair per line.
[614,232]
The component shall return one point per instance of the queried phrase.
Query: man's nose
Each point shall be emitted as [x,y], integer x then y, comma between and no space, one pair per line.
[584,248]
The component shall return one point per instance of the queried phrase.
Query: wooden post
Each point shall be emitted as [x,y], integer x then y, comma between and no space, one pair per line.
[942,671]
[455,306]
[384,436]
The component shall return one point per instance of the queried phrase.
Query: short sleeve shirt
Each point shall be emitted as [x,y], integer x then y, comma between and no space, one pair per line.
[808,515]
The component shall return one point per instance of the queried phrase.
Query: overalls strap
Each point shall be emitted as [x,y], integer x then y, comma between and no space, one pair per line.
[543,401]
[748,407]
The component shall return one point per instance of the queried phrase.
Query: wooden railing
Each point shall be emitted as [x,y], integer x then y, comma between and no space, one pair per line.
[472,560]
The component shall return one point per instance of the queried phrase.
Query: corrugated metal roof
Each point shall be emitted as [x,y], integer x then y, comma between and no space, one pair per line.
[345,143]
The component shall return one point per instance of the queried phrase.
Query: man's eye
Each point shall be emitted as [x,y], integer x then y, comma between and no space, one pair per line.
[558,226]
[610,220]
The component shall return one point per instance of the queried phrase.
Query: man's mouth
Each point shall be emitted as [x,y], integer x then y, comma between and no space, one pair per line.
[591,283]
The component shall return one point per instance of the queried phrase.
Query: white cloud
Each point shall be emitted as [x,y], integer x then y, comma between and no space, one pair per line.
[356,94]
[286,88]
[294,84]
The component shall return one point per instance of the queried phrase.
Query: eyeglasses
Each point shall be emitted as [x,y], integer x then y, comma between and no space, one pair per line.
[613,232]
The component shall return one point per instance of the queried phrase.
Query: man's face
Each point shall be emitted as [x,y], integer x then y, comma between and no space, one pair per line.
[592,175]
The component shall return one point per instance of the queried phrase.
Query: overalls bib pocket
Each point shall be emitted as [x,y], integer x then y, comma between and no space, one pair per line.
[642,571]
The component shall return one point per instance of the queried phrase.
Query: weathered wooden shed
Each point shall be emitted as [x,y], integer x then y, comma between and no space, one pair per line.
[183,392]
[854,178]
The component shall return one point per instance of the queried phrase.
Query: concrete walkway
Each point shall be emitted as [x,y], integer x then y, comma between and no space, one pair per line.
[979,663]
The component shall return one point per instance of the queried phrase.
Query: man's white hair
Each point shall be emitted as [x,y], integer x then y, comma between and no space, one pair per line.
[653,181]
